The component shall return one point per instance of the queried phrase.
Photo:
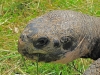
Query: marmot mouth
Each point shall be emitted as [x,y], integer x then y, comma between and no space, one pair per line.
[40,57]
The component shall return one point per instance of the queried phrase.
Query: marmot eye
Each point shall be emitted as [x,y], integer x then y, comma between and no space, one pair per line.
[65,39]
[41,42]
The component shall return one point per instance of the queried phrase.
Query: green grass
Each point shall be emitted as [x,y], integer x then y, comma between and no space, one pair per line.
[14,16]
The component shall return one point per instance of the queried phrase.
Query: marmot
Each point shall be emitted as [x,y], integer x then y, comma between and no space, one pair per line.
[61,36]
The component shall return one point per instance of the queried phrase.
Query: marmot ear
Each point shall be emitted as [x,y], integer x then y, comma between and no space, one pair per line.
[94,50]
[66,41]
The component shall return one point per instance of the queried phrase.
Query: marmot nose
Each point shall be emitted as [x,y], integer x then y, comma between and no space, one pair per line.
[56,43]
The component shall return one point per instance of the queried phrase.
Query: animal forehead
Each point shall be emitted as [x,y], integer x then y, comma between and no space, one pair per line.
[62,14]
[57,16]
[57,22]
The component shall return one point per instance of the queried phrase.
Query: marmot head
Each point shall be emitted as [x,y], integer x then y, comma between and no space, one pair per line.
[54,36]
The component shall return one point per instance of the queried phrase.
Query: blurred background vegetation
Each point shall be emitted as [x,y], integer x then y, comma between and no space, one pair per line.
[14,16]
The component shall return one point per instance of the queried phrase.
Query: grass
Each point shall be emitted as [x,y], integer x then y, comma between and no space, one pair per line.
[14,16]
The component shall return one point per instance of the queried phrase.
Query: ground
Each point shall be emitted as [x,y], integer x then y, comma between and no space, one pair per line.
[14,16]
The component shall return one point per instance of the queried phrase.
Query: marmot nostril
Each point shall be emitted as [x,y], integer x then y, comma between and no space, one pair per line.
[41,42]
[23,37]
